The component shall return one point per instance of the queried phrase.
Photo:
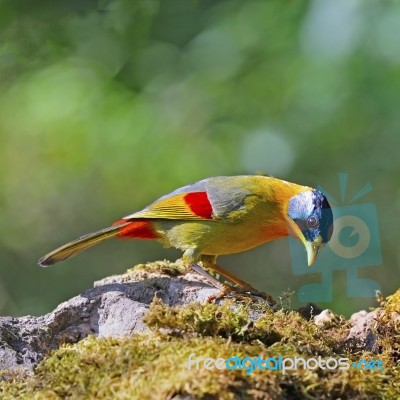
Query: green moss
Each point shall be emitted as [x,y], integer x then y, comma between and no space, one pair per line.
[158,267]
[392,303]
[234,320]
[13,385]
[388,327]
[155,365]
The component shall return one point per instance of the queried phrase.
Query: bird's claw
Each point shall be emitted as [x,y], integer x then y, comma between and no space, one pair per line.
[240,294]
[224,290]
[264,296]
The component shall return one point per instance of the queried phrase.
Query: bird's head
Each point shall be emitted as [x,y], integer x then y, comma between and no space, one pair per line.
[310,219]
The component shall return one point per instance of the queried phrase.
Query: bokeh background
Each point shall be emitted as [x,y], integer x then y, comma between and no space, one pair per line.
[106,105]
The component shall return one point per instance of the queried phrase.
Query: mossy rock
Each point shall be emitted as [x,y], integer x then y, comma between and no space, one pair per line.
[155,365]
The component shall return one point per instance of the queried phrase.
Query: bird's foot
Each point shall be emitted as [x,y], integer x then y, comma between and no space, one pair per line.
[239,294]
[224,291]
[242,291]
[263,295]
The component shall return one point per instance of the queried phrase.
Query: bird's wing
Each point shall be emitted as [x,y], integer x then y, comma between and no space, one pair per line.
[219,198]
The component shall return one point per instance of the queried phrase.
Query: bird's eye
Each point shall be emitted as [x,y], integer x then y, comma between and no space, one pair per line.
[312,222]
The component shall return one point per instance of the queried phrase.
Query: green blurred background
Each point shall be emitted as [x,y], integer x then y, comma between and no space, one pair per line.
[106,105]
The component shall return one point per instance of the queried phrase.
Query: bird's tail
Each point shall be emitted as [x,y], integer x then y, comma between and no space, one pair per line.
[84,242]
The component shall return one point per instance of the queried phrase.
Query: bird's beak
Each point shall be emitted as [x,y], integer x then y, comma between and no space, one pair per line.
[312,248]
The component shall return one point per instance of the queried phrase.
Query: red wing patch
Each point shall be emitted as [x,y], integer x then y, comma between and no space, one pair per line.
[137,229]
[199,204]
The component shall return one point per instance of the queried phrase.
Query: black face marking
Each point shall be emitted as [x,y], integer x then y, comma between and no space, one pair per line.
[313,215]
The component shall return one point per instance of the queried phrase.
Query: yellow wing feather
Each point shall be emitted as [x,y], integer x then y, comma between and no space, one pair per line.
[174,207]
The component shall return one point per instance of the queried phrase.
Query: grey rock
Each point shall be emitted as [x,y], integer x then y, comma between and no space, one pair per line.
[115,307]
[8,357]
[362,334]
[325,317]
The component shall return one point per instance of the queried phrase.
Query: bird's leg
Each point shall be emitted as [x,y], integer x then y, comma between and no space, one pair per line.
[190,258]
[223,288]
[215,282]
[209,262]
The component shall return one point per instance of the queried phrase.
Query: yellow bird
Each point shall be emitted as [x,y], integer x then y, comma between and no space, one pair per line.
[221,215]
